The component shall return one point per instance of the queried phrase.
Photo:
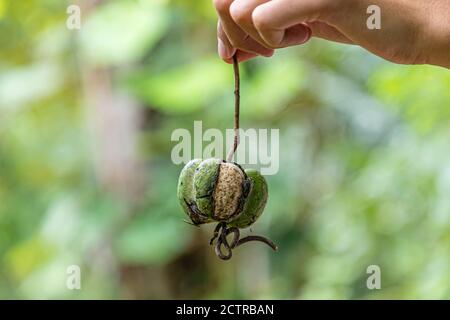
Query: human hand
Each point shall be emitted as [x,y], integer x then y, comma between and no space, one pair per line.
[412,31]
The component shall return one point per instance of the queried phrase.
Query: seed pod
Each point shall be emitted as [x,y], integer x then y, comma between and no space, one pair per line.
[216,190]
[255,202]
[186,193]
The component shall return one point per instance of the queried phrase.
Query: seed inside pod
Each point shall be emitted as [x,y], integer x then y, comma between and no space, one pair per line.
[228,192]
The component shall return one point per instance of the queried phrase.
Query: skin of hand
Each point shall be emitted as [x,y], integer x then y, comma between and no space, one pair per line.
[412,31]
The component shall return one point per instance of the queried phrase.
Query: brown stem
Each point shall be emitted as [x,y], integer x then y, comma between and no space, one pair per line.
[222,241]
[237,102]
[257,238]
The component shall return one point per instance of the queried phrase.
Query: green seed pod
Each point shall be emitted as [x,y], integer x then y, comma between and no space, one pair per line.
[204,182]
[186,193]
[255,202]
[216,190]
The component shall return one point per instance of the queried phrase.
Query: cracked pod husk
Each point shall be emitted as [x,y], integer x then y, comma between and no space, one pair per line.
[215,190]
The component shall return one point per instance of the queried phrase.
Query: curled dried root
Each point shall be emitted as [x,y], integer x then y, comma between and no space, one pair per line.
[222,231]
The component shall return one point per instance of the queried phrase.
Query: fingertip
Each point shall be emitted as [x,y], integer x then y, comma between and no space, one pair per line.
[244,56]
[225,52]
[269,53]
[308,33]
[296,35]
[221,49]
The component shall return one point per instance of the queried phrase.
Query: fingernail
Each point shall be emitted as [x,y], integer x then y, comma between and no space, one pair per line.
[269,53]
[308,34]
[224,51]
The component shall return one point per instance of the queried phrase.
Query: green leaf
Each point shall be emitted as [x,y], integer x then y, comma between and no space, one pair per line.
[121,32]
[420,94]
[152,239]
[22,86]
[273,87]
[186,88]
[27,256]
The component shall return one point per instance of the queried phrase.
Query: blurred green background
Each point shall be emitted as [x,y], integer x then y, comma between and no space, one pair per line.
[86,176]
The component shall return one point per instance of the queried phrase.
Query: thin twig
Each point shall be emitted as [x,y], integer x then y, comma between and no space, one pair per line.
[237,102]
[269,242]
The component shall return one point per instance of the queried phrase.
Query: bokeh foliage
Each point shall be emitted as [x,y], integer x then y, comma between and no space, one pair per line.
[364,161]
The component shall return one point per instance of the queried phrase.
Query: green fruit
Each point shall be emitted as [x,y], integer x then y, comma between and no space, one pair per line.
[186,193]
[255,202]
[216,190]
